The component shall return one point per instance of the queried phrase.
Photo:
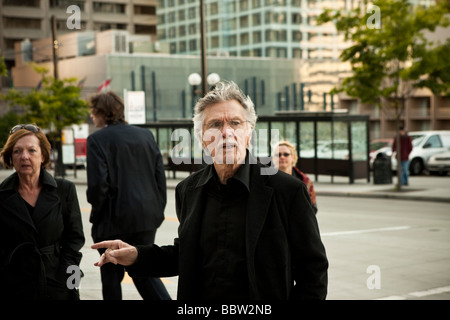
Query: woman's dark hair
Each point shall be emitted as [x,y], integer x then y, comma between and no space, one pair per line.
[109,106]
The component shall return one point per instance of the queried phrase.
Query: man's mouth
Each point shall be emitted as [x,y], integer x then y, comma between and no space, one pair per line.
[228,145]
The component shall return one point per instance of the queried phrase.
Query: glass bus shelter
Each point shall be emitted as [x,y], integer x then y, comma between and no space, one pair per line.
[327,143]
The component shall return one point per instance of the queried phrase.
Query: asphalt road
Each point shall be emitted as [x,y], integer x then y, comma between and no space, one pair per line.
[377,249]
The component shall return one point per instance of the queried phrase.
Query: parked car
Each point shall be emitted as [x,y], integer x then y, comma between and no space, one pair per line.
[425,145]
[439,163]
[379,146]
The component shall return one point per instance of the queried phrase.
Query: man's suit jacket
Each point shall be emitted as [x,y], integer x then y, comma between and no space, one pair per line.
[126,181]
[283,243]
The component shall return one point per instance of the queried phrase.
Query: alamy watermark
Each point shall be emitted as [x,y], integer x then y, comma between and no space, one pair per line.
[374,280]
[73,281]
[74,20]
[374,20]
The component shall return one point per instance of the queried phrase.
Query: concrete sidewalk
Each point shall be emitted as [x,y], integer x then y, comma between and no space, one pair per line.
[421,188]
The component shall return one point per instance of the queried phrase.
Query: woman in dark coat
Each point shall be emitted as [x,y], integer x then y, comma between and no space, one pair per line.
[41,231]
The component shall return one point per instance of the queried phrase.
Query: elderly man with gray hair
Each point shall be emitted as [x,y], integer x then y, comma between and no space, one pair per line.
[243,235]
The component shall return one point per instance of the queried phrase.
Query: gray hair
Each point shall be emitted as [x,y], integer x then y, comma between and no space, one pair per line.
[223,91]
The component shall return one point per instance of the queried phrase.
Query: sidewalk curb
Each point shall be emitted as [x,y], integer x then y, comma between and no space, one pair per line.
[382,196]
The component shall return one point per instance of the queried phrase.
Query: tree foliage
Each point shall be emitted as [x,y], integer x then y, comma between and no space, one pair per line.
[54,105]
[391,61]
[3,70]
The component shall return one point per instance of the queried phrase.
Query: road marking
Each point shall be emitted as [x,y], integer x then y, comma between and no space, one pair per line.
[344,233]
[418,294]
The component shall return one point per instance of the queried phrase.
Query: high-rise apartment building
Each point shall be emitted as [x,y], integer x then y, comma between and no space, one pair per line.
[257,28]
[30,19]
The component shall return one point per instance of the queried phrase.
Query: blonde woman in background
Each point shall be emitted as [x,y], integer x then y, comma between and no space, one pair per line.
[285,159]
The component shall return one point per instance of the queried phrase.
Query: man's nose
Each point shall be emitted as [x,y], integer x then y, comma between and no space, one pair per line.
[226,129]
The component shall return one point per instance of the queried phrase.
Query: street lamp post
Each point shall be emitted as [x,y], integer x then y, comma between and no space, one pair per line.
[194,80]
[212,79]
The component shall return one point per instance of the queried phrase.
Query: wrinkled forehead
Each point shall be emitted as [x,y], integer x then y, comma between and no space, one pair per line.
[225,110]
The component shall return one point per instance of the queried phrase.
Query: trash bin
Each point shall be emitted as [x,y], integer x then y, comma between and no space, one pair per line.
[382,169]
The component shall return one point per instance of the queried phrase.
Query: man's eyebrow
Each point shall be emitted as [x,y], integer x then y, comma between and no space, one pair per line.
[221,119]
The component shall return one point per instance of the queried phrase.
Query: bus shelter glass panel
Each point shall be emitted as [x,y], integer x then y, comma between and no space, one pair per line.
[359,140]
[306,142]
[286,131]
[340,148]
[324,140]
[260,140]
[165,143]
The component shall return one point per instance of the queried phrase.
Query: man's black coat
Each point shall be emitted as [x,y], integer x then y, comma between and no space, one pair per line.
[285,255]
[126,181]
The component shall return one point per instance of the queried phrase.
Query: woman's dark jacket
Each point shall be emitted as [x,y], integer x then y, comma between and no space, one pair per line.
[36,249]
[285,255]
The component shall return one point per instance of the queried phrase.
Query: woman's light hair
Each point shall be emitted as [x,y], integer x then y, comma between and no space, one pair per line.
[290,146]
[223,91]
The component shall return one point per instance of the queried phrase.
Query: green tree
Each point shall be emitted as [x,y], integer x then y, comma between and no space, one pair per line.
[54,106]
[3,70]
[390,60]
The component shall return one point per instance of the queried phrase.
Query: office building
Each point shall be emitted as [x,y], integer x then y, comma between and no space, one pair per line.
[31,19]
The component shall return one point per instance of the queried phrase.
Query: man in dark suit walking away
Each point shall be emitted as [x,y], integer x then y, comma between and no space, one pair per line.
[126,188]
[247,231]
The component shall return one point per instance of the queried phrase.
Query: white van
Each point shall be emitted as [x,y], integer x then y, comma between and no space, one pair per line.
[425,144]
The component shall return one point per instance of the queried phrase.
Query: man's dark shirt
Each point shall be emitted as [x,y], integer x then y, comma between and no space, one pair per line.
[222,242]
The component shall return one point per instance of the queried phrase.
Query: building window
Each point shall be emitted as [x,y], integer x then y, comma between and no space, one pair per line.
[243,21]
[243,5]
[181,31]
[215,42]
[214,8]
[143,29]
[256,3]
[181,15]
[182,46]
[21,23]
[147,10]
[256,37]
[192,45]
[214,25]
[192,12]
[296,18]
[35,3]
[171,17]
[271,52]
[193,28]
[173,47]
[108,7]
[282,53]
[256,19]
[297,53]
[230,41]
[161,34]
[296,36]
[244,38]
